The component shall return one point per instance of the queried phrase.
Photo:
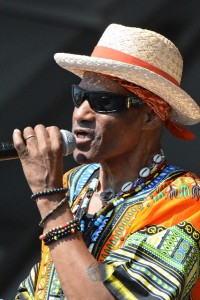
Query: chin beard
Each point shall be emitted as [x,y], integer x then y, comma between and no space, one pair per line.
[82,158]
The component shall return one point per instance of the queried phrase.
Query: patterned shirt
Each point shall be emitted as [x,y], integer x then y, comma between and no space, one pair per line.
[148,246]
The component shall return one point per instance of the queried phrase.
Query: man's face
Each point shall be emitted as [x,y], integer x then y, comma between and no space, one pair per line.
[102,137]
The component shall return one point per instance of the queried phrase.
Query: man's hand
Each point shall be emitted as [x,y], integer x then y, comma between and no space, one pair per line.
[40,152]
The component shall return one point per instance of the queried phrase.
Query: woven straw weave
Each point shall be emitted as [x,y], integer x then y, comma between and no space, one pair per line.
[146,45]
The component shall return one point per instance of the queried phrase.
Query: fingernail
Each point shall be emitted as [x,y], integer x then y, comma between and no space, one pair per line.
[16,131]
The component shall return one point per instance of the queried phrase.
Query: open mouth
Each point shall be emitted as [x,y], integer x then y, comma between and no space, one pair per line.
[82,135]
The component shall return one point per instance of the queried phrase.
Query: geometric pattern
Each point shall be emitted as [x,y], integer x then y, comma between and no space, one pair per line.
[158,265]
[142,256]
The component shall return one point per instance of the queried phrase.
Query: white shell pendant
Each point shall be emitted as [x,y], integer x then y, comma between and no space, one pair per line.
[157,158]
[144,172]
[126,187]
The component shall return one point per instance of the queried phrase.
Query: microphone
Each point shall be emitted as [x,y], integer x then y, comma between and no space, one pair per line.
[8,151]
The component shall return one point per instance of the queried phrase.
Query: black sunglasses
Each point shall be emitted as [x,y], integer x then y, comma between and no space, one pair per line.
[104,102]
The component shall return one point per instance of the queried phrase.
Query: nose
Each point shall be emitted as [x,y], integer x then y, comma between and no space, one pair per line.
[84,112]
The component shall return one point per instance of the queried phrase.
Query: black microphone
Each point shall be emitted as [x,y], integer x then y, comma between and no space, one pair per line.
[7,150]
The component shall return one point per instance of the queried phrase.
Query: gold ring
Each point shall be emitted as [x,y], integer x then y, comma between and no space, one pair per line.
[29,136]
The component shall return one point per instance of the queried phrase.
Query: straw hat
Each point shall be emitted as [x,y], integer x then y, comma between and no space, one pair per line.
[143,57]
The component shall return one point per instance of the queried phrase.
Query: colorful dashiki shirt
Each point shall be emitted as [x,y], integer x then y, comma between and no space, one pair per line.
[148,245]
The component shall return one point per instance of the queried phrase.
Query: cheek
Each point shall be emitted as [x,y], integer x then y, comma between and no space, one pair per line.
[119,137]
[126,134]
[124,128]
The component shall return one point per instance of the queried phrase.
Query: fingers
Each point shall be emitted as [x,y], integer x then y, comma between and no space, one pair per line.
[22,143]
[19,144]
[56,140]
[30,136]
[44,140]
[49,140]
[31,142]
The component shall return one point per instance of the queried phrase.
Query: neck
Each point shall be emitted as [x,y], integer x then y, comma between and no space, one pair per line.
[117,171]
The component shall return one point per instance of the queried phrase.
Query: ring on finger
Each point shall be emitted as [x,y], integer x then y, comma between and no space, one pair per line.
[30,136]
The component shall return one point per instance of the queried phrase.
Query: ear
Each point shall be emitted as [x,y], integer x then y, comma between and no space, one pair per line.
[151,119]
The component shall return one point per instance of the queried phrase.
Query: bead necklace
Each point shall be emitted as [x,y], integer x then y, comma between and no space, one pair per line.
[145,175]
[110,199]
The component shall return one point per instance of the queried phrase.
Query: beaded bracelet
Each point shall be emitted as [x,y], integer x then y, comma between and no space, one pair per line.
[55,230]
[48,192]
[41,224]
[60,232]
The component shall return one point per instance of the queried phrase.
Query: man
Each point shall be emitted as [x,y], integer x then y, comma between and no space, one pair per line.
[127,225]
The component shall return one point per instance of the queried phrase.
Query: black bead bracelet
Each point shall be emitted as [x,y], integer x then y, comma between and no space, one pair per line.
[60,232]
[48,192]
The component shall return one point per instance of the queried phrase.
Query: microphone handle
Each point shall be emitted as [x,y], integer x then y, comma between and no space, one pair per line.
[7,151]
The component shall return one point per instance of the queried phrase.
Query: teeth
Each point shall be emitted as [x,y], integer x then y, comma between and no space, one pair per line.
[81,135]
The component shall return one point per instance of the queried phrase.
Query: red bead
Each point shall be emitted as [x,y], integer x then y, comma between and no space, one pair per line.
[42,237]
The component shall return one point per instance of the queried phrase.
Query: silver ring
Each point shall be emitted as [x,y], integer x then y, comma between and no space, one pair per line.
[30,136]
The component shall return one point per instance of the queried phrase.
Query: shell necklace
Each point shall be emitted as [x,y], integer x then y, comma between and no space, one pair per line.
[146,174]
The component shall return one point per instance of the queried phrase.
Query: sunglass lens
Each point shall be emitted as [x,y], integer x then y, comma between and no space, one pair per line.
[103,103]
[77,96]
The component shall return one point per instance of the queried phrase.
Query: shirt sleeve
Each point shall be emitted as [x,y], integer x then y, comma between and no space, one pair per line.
[155,263]
[27,288]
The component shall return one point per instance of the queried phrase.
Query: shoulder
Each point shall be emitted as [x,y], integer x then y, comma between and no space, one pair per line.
[188,178]
[180,185]
[175,175]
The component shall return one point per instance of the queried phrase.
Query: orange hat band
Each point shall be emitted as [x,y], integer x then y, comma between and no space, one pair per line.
[109,53]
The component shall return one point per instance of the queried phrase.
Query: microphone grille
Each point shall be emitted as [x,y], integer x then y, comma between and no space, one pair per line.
[68,140]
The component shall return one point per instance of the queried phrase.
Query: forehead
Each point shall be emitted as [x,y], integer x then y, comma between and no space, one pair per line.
[99,82]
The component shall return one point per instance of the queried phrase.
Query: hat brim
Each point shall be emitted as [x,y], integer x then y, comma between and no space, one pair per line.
[184,111]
